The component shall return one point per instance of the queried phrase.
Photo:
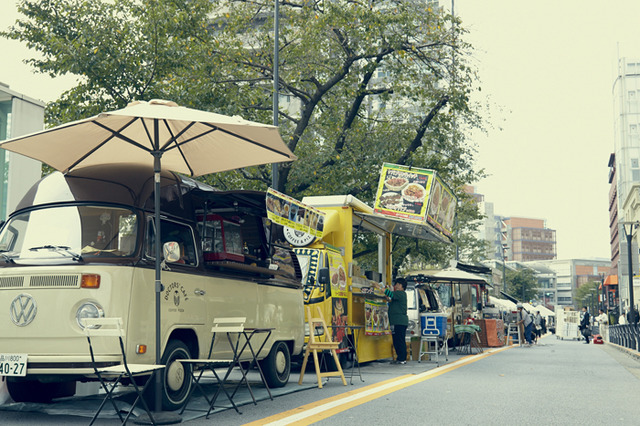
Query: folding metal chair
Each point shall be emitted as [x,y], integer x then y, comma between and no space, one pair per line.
[220,325]
[96,330]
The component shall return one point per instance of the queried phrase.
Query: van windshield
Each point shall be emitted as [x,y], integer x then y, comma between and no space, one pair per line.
[74,232]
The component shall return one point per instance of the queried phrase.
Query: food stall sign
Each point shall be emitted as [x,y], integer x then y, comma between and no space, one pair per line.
[417,195]
[442,206]
[376,318]
[301,219]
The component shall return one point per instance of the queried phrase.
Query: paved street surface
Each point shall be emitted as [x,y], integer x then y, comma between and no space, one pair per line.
[556,382]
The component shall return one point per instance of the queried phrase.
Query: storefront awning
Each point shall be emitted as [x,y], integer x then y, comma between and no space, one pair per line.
[406,228]
[611,280]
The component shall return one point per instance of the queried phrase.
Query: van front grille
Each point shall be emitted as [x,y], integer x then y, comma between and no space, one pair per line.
[54,281]
[11,282]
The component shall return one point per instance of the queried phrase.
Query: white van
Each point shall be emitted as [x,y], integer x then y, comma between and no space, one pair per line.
[82,245]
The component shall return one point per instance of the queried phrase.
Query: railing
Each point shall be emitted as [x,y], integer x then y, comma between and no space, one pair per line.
[626,335]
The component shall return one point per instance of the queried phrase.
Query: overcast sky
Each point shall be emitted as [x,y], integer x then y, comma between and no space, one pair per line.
[547,68]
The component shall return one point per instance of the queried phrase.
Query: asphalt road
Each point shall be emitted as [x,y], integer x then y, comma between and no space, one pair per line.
[556,382]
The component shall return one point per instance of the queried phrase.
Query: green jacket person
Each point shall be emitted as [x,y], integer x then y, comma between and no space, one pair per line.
[398,318]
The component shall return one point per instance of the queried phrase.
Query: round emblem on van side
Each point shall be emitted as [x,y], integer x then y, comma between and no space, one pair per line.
[298,238]
[23,310]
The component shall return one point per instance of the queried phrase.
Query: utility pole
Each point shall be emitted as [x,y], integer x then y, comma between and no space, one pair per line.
[276,78]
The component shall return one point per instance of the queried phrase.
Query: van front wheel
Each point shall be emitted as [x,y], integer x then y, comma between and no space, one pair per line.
[177,376]
[277,365]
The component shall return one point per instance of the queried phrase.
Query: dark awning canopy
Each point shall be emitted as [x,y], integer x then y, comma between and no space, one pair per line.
[403,227]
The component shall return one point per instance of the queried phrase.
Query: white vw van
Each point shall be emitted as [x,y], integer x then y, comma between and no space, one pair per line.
[82,245]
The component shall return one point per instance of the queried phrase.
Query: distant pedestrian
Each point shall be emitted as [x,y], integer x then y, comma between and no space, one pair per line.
[398,318]
[537,325]
[584,324]
[622,319]
[603,320]
[525,320]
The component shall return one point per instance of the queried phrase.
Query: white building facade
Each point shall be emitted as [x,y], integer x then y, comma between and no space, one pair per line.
[626,106]
[19,115]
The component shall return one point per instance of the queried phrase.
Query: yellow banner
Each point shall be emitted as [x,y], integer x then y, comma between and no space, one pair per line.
[289,212]
[338,275]
[376,315]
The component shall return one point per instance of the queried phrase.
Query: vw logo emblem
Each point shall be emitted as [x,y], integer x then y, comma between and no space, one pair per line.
[23,310]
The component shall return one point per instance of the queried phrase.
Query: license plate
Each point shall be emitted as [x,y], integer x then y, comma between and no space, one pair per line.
[13,364]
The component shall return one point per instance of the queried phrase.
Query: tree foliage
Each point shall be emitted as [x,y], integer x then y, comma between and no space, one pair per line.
[360,83]
[522,284]
[585,292]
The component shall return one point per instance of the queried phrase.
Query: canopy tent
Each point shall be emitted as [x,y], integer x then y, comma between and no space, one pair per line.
[545,312]
[502,304]
[452,275]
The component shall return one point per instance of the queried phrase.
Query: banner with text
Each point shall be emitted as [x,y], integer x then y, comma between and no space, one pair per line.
[289,212]
[415,194]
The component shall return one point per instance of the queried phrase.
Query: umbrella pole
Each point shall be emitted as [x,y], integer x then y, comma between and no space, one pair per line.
[158,283]
[159,417]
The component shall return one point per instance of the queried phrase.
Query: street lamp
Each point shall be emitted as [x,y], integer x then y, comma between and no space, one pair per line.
[504,272]
[629,234]
[604,295]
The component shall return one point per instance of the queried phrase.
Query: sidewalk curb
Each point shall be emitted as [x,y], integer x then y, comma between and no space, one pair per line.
[630,352]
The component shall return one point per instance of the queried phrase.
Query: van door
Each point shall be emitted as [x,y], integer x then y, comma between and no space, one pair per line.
[182,298]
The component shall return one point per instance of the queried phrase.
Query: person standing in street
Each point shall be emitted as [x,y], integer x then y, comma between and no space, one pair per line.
[398,318]
[584,324]
[622,319]
[525,320]
[602,323]
[537,323]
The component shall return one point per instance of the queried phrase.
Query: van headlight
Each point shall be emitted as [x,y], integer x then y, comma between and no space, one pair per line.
[88,310]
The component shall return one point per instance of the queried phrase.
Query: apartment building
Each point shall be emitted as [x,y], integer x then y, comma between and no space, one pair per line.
[624,165]
[572,273]
[528,239]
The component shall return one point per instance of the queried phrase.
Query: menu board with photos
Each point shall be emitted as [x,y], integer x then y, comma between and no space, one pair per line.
[289,212]
[376,318]
[403,192]
[442,207]
[416,194]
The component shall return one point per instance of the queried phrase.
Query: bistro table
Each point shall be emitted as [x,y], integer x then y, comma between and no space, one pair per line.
[238,350]
[249,334]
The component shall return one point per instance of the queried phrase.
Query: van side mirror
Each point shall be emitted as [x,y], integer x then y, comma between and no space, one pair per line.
[323,276]
[171,251]
[479,306]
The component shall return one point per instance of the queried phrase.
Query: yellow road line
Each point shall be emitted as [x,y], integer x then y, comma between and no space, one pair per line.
[311,413]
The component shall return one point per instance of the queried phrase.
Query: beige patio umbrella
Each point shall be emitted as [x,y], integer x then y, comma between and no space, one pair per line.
[161,133]
[189,141]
